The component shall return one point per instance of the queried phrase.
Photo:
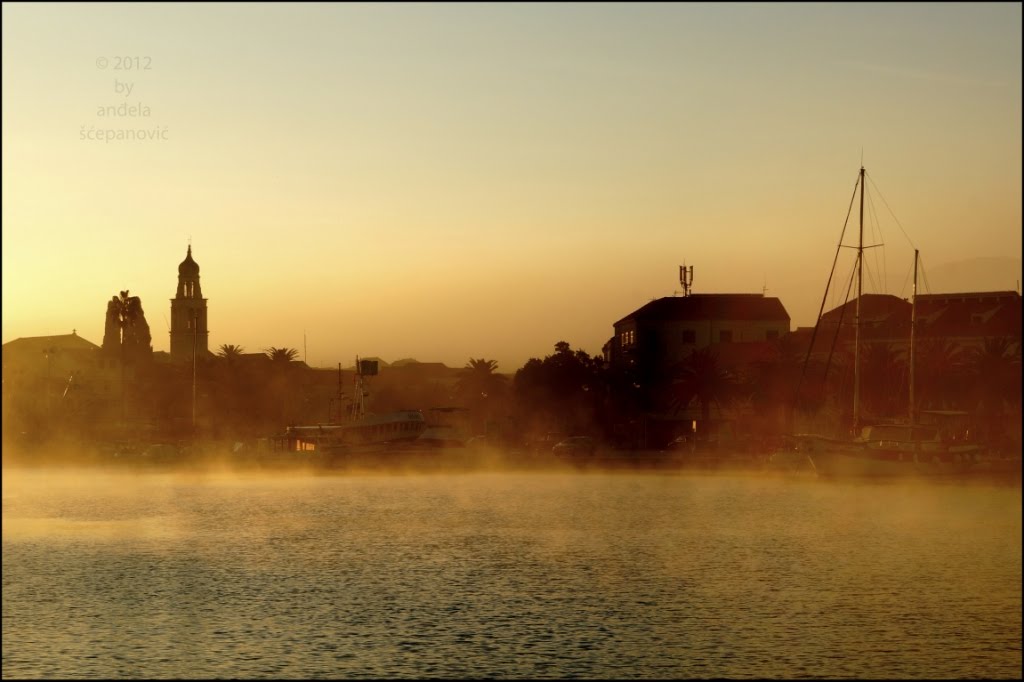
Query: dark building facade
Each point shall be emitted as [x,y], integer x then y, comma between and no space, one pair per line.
[964,319]
[666,330]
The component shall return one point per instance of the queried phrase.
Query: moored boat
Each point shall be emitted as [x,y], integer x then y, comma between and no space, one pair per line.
[913,448]
[891,450]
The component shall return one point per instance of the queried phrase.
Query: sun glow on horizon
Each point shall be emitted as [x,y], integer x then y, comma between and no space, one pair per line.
[445,183]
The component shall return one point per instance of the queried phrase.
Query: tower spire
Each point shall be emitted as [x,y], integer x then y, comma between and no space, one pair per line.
[188,312]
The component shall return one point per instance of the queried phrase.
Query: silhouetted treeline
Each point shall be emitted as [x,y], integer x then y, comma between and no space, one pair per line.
[242,396]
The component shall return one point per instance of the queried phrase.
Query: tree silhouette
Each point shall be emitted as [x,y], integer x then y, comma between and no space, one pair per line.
[282,391]
[479,379]
[701,378]
[939,374]
[281,354]
[774,387]
[995,368]
[481,390]
[562,392]
[230,351]
[884,381]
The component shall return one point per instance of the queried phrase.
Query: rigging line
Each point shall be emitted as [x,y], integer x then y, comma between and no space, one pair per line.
[824,296]
[835,337]
[884,255]
[876,235]
[924,275]
[909,240]
[836,299]
[905,280]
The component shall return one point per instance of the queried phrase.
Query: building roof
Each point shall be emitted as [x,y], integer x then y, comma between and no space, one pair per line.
[874,309]
[986,314]
[886,318]
[712,307]
[40,344]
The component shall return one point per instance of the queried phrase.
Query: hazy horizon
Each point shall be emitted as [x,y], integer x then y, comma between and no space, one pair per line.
[442,182]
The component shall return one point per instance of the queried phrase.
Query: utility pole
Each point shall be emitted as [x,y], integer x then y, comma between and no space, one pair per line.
[195,344]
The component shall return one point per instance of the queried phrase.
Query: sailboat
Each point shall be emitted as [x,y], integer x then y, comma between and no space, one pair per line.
[901,448]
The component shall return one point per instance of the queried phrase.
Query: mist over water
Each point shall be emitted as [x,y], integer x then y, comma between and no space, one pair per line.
[506,575]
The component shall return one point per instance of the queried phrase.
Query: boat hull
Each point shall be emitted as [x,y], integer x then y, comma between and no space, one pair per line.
[867,464]
[864,459]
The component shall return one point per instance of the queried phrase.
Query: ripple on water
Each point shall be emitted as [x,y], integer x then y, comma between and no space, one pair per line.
[509,576]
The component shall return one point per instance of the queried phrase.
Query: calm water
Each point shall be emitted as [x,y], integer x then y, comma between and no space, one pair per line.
[507,575]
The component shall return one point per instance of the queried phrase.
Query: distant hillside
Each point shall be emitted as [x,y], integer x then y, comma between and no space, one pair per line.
[974,274]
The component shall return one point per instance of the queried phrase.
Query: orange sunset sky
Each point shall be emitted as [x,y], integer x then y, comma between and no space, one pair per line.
[446,181]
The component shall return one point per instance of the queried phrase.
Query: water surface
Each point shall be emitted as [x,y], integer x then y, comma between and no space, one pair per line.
[507,575]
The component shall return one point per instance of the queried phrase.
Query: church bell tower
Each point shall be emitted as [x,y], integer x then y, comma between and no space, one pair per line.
[188,314]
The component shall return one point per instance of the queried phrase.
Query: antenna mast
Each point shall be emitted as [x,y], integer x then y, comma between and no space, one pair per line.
[686,278]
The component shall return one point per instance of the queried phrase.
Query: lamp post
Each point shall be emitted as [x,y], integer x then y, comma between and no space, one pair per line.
[195,343]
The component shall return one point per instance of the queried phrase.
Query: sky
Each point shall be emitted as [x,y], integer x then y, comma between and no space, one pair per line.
[449,181]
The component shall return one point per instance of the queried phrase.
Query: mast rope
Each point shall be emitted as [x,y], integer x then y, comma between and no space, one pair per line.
[909,241]
[835,337]
[824,297]
[924,274]
[876,234]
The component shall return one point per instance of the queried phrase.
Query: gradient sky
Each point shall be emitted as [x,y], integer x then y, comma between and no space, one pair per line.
[452,181]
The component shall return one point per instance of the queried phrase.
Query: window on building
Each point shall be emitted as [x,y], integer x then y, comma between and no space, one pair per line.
[689,336]
[725,336]
[771,334]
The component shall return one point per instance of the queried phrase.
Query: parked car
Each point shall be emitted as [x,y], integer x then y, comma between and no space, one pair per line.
[576,445]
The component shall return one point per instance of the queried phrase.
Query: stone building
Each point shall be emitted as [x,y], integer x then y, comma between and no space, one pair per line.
[189,332]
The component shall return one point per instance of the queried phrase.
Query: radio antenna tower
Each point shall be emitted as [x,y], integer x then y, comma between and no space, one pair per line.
[686,278]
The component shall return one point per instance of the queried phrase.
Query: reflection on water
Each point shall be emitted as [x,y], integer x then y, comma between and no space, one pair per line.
[507,575]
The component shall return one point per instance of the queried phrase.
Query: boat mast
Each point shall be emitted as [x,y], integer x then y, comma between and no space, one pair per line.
[856,321]
[913,328]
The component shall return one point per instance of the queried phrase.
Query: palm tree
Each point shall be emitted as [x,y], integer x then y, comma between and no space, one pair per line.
[481,388]
[281,354]
[282,390]
[699,377]
[995,369]
[883,380]
[480,379]
[939,369]
[774,388]
[230,351]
